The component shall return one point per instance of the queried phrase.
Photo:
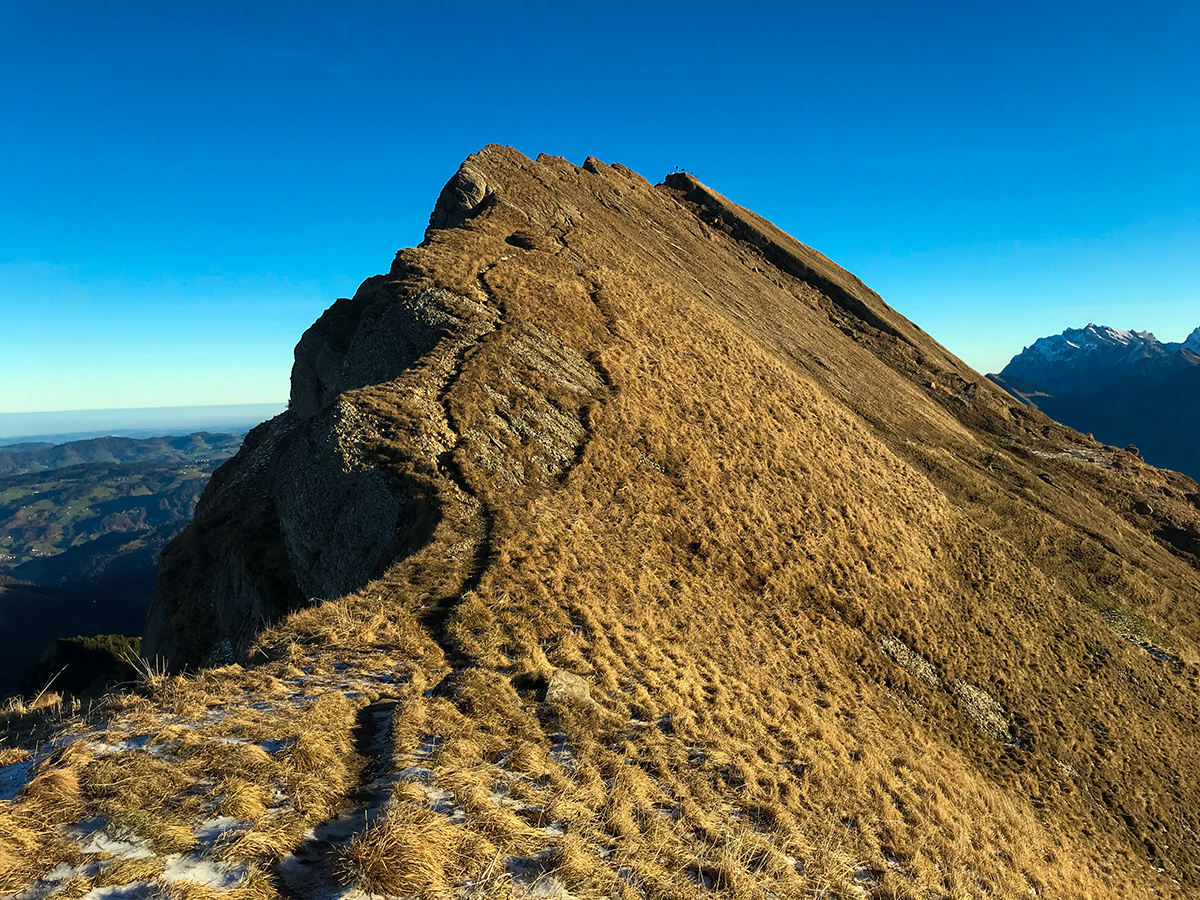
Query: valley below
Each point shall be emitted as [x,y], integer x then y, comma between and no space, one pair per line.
[82,526]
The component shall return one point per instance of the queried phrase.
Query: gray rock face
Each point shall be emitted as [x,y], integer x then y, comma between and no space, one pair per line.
[298,517]
[304,512]
[226,571]
[338,518]
[367,340]
[460,198]
[309,511]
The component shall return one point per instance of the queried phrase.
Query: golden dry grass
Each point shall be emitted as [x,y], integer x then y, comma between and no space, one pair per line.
[406,851]
[737,539]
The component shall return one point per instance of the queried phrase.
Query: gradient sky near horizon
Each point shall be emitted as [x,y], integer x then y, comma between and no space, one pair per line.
[185,187]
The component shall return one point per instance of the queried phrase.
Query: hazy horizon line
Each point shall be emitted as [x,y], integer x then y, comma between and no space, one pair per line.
[111,409]
[140,421]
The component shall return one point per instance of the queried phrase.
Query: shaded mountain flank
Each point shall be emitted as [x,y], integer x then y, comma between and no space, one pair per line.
[616,544]
[1125,387]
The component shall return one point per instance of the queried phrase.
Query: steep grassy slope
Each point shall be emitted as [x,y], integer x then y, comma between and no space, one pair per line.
[850,620]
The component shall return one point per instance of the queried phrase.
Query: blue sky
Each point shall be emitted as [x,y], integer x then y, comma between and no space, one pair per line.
[187,186]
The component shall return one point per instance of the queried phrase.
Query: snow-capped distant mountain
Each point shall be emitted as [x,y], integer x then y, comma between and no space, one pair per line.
[1126,387]
[1081,362]
[1192,342]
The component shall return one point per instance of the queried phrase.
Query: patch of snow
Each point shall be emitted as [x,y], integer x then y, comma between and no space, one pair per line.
[415,773]
[139,890]
[563,753]
[53,881]
[210,831]
[439,800]
[501,798]
[275,745]
[442,802]
[133,743]
[304,873]
[429,744]
[1113,335]
[303,879]
[195,868]
[93,836]
[531,878]
[13,778]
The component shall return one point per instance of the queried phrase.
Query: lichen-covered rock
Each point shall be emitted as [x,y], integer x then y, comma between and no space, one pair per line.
[460,198]
[568,689]
[296,516]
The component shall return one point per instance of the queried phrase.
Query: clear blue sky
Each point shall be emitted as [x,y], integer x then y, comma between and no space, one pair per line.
[184,187]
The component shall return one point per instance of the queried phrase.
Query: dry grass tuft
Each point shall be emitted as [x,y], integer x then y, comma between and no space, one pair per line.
[407,850]
[319,765]
[255,885]
[243,799]
[128,871]
[271,839]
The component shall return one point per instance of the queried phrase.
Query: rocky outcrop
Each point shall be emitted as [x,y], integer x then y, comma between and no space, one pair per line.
[305,512]
[461,198]
[313,508]
[372,338]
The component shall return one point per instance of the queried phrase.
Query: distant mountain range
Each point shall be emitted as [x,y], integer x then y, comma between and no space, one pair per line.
[1125,387]
[82,525]
[19,459]
[61,426]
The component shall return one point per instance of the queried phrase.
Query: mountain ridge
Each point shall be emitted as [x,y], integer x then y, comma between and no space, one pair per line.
[201,446]
[1079,361]
[617,544]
